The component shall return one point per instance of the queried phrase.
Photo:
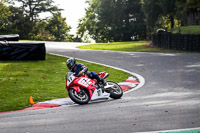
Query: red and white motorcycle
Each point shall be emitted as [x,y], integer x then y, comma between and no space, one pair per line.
[83,89]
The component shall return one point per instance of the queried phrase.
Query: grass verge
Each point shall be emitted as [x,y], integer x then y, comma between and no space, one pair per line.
[135,46]
[43,80]
[194,29]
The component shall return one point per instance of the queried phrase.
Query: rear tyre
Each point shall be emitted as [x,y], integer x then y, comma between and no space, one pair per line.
[80,98]
[116,91]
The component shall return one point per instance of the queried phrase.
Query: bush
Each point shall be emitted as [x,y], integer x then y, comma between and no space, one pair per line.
[43,35]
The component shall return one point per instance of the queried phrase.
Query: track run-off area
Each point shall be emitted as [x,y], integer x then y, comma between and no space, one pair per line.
[168,101]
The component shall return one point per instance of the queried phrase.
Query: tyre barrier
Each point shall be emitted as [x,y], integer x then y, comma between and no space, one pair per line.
[182,42]
[11,37]
[21,50]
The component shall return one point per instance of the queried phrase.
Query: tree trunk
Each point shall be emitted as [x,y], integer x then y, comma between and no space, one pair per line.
[184,16]
[172,21]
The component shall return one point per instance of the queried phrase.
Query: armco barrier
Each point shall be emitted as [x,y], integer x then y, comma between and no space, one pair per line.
[183,42]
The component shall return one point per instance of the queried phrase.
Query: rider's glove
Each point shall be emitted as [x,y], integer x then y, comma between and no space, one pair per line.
[80,73]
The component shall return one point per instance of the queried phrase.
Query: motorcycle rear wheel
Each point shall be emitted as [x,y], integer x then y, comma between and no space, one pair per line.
[80,98]
[116,91]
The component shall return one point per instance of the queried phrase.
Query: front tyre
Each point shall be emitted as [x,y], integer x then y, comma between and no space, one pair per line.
[80,98]
[115,90]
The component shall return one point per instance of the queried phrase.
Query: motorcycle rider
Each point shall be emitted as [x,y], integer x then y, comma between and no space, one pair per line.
[79,69]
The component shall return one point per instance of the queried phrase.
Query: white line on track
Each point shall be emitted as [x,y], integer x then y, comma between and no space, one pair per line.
[175,130]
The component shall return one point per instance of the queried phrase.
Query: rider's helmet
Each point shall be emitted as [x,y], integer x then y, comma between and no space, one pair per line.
[71,63]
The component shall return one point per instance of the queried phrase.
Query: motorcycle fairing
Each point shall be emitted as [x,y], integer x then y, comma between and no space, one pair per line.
[70,80]
[98,94]
[102,74]
[86,83]
[76,88]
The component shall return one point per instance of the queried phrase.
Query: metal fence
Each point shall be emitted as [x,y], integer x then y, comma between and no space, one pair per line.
[183,42]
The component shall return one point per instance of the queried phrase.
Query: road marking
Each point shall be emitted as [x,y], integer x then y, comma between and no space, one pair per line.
[126,83]
[187,130]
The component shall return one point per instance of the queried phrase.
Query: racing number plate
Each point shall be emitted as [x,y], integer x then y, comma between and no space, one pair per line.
[70,79]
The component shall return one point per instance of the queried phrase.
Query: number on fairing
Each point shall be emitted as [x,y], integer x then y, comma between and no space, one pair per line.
[85,82]
[70,79]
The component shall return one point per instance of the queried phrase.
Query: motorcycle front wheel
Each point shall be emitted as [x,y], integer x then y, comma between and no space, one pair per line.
[80,98]
[115,91]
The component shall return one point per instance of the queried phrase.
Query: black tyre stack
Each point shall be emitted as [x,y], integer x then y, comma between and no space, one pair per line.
[15,51]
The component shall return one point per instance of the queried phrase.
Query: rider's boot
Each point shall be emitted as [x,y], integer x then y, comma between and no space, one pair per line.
[102,81]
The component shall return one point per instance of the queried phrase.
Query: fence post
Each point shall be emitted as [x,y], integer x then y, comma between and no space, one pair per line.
[198,43]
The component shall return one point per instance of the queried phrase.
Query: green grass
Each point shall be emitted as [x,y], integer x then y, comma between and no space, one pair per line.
[43,80]
[195,29]
[135,46]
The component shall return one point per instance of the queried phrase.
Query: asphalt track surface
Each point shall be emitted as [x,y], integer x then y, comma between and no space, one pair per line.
[169,100]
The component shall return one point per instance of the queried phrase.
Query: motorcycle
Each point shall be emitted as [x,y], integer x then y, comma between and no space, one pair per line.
[82,89]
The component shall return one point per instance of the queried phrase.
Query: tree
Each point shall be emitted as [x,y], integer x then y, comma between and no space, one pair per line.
[20,23]
[152,13]
[113,20]
[193,5]
[58,27]
[26,16]
[5,13]
[32,8]
[168,10]
[186,7]
[40,32]
[90,23]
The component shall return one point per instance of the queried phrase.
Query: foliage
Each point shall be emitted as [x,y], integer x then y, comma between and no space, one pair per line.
[168,10]
[32,8]
[113,20]
[53,29]
[27,15]
[168,14]
[193,5]
[58,27]
[43,35]
[125,20]
[5,13]
[105,20]
[20,24]
[25,21]
[152,13]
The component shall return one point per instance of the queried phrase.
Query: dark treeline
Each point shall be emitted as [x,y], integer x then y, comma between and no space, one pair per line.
[105,20]
[126,20]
